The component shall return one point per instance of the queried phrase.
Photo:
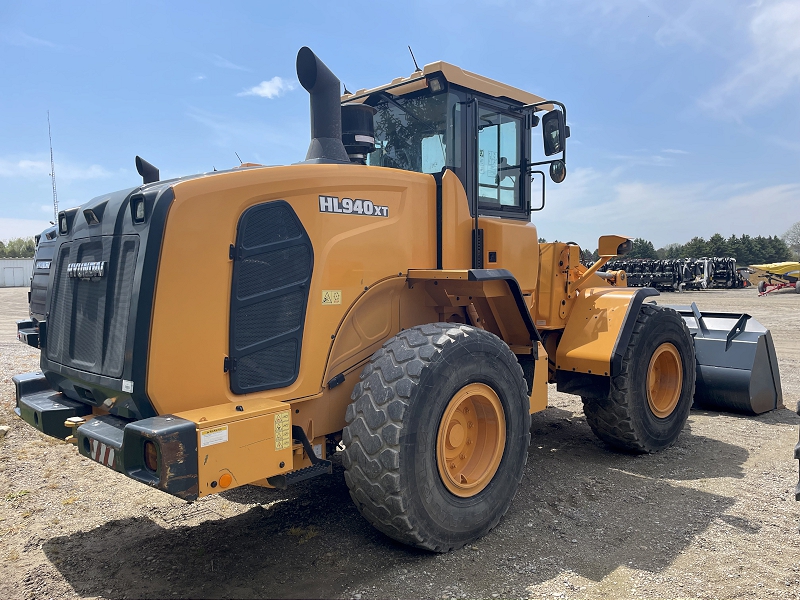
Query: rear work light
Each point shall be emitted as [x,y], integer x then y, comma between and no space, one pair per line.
[151,456]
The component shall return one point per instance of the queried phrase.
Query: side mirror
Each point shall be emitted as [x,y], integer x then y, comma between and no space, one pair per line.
[554,132]
[558,171]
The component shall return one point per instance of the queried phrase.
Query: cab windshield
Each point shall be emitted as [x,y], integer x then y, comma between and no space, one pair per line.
[419,132]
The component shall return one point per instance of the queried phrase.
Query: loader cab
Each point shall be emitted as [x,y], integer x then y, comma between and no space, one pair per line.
[481,130]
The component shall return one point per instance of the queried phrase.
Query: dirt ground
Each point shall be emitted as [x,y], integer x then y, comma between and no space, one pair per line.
[712,517]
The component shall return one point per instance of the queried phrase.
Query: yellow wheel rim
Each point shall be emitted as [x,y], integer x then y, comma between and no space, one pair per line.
[471,440]
[664,380]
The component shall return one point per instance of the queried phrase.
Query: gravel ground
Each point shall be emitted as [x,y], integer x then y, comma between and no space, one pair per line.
[712,517]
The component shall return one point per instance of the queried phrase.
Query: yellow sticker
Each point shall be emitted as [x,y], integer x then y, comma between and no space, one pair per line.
[331,297]
[283,431]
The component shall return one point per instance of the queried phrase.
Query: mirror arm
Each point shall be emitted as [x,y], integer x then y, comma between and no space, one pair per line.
[563,108]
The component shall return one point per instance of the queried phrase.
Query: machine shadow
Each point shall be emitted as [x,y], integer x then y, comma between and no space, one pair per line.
[311,542]
[780,416]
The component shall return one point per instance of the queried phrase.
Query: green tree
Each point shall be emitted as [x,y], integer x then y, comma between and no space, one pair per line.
[587,256]
[642,248]
[670,251]
[697,247]
[717,246]
[20,248]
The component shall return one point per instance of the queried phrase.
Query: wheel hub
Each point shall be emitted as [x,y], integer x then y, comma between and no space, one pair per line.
[471,439]
[664,380]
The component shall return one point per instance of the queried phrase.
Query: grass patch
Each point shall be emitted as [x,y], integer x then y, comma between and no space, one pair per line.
[13,555]
[70,500]
[14,495]
[303,534]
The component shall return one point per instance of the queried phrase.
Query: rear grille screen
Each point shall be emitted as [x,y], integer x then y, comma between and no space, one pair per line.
[88,320]
[271,279]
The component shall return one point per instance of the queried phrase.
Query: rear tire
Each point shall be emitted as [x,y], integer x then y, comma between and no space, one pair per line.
[762,287]
[649,400]
[409,409]
[797,287]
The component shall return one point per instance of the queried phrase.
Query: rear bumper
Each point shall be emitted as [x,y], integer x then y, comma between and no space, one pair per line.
[114,442]
[199,452]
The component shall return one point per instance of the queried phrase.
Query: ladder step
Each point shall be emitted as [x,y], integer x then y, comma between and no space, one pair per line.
[323,467]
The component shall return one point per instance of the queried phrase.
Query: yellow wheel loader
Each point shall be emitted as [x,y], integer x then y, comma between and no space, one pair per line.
[387,298]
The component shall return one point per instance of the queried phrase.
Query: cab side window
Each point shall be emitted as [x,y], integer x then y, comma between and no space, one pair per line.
[499,145]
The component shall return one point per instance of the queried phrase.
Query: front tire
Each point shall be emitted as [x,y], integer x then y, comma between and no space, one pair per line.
[649,400]
[437,435]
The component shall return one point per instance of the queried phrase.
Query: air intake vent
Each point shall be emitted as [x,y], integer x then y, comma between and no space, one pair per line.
[271,279]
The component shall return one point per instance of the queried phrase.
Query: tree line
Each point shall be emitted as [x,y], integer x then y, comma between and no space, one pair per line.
[747,250]
[18,248]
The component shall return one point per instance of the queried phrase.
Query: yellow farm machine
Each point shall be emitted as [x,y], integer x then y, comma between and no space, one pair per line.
[777,276]
[387,297]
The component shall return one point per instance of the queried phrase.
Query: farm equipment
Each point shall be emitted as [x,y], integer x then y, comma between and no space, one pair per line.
[679,274]
[777,276]
[387,295]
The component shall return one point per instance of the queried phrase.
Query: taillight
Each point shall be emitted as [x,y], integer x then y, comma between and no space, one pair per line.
[151,456]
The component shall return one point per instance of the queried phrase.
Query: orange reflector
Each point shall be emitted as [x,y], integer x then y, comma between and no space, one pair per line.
[225,480]
[151,456]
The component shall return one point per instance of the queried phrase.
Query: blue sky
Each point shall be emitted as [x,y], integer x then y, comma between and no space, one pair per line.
[684,115]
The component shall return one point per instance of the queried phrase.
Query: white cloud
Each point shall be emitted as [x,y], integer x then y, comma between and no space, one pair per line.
[273,88]
[18,38]
[224,63]
[674,151]
[770,71]
[16,228]
[199,77]
[29,169]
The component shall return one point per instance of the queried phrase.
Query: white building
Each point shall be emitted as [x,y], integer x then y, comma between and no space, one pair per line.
[16,272]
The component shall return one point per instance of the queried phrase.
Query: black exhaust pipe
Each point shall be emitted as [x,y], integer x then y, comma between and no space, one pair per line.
[326,109]
[148,172]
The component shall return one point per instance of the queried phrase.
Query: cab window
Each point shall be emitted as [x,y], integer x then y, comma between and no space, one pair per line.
[498,164]
[420,132]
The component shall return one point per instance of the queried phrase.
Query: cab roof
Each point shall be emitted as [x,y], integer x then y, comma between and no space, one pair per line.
[453,74]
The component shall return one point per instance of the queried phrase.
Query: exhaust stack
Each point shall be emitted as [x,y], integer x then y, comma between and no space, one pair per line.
[326,110]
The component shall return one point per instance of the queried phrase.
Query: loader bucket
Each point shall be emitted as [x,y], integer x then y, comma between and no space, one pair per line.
[737,369]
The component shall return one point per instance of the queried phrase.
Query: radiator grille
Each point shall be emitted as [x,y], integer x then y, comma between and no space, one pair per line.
[271,278]
[87,325]
[272,270]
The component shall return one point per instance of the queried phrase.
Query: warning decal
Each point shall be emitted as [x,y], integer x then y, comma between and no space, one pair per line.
[331,297]
[214,435]
[283,431]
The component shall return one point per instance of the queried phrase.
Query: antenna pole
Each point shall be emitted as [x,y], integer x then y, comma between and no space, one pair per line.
[52,171]
[416,66]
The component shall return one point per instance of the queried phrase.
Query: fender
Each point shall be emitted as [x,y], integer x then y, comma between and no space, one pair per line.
[598,330]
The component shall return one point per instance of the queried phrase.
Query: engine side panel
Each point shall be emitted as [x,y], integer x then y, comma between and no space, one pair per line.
[190,326]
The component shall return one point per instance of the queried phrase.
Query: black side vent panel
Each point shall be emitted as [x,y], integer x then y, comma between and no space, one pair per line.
[271,280]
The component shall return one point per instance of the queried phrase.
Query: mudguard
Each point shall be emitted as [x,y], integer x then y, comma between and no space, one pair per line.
[599,329]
